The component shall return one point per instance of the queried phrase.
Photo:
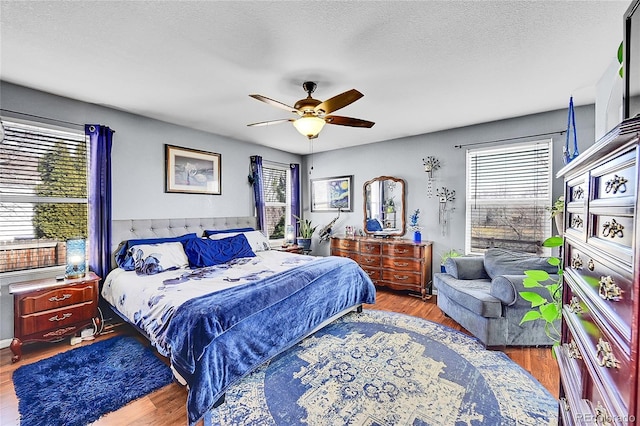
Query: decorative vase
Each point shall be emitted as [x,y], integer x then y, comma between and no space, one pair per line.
[559,221]
[417,236]
[305,243]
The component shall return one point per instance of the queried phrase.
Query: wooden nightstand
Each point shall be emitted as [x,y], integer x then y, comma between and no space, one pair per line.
[47,309]
[291,249]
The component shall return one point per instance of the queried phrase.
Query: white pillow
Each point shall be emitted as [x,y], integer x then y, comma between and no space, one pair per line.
[151,259]
[256,239]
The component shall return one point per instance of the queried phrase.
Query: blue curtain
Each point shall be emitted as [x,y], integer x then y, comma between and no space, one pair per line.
[295,195]
[100,141]
[258,189]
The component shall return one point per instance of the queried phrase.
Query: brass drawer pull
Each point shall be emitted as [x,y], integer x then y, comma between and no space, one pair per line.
[575,306]
[612,229]
[370,248]
[64,317]
[576,222]
[618,183]
[576,261]
[59,299]
[572,350]
[370,260]
[401,263]
[404,277]
[605,355]
[578,193]
[403,251]
[601,416]
[608,289]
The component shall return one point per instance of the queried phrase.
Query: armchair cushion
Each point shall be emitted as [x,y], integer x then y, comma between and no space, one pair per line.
[498,261]
[472,294]
[507,288]
[466,268]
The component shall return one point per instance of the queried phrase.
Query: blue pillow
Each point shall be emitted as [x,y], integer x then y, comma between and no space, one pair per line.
[125,260]
[374,225]
[205,252]
[208,232]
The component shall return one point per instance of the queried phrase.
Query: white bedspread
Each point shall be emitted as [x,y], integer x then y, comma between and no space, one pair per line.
[149,301]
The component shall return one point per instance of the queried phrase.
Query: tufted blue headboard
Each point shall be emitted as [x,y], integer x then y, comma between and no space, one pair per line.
[122,230]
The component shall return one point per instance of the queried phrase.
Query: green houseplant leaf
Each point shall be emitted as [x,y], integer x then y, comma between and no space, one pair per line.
[547,309]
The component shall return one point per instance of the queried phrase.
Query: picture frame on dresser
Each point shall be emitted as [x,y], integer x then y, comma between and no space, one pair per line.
[191,171]
[332,194]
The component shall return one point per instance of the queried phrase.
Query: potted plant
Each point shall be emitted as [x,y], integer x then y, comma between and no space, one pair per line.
[545,309]
[446,255]
[305,232]
[415,226]
[557,214]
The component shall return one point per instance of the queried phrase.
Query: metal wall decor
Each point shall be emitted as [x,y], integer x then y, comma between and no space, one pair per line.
[431,164]
[445,196]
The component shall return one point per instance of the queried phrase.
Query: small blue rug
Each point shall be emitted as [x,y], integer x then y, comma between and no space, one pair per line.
[381,368]
[79,386]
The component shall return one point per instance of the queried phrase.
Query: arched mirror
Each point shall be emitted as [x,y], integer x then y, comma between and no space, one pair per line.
[384,206]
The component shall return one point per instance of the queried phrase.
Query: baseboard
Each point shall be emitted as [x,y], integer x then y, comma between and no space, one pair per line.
[4,343]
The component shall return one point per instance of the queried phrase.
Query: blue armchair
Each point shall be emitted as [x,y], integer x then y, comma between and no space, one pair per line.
[482,294]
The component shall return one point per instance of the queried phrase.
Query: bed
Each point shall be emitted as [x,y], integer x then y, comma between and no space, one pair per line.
[222,317]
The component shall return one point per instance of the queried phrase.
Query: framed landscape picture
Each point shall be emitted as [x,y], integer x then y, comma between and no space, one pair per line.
[192,171]
[331,194]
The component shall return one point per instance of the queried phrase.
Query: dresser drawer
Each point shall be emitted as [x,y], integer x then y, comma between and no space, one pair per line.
[611,292]
[367,247]
[604,355]
[401,264]
[401,277]
[344,253]
[370,260]
[577,190]
[344,244]
[51,299]
[616,179]
[402,250]
[46,320]
[586,401]
[374,273]
[613,234]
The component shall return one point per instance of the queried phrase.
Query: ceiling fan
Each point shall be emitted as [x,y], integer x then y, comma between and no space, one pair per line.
[314,114]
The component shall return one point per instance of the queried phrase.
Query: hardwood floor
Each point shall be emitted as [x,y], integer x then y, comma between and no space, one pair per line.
[167,405]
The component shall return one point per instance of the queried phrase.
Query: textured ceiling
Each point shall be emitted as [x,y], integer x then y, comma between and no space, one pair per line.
[422,66]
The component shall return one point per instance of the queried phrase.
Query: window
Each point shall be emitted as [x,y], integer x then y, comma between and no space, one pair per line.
[508,189]
[277,199]
[43,194]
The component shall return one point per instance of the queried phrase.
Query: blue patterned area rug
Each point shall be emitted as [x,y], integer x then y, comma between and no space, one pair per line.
[382,368]
[79,386]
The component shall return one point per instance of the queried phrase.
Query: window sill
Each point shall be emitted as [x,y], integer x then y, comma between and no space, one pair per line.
[30,274]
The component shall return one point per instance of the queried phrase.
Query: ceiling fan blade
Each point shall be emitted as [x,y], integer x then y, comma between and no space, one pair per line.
[338,101]
[270,122]
[348,121]
[274,103]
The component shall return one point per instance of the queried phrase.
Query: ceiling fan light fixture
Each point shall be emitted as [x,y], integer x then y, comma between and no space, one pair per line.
[309,125]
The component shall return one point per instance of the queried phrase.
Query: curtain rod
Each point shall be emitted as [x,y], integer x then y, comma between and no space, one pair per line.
[560,132]
[43,118]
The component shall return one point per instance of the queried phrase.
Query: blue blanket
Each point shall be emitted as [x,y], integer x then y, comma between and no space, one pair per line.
[218,338]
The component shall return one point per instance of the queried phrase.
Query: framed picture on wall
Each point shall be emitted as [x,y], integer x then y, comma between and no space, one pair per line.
[192,171]
[331,194]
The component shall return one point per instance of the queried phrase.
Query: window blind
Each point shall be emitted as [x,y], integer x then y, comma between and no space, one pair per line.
[277,200]
[508,189]
[43,194]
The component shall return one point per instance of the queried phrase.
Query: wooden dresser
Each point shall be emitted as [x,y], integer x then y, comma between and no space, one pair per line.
[395,263]
[49,310]
[598,358]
